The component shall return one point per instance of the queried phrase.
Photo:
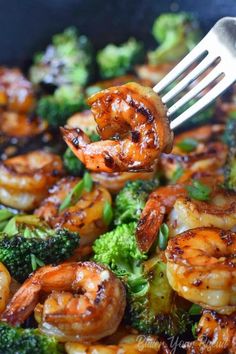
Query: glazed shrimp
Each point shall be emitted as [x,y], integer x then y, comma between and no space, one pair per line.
[201,267]
[219,211]
[25,179]
[131,344]
[216,334]
[210,154]
[184,213]
[135,118]
[86,302]
[16,93]
[84,217]
[13,124]
[5,281]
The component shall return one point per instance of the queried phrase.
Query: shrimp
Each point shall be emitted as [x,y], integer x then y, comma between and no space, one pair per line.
[131,344]
[85,301]
[16,92]
[216,334]
[85,216]
[201,267]
[205,157]
[25,179]
[114,182]
[219,211]
[20,125]
[136,118]
[5,281]
[184,212]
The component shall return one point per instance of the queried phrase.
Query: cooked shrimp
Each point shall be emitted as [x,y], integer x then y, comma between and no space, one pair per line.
[209,155]
[84,121]
[86,301]
[136,118]
[201,267]
[131,344]
[16,93]
[85,217]
[216,335]
[25,179]
[117,180]
[185,213]
[5,281]
[13,124]
[219,211]
[158,205]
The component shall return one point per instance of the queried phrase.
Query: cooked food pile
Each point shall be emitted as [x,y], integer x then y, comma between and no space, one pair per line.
[115,235]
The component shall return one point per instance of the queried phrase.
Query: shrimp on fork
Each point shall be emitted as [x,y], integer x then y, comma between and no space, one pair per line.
[135,118]
[85,301]
[201,267]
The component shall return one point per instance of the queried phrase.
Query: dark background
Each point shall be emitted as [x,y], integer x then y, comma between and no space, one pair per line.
[27,25]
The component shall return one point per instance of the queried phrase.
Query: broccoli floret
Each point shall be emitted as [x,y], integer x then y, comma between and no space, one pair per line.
[116,60]
[57,108]
[72,164]
[154,310]
[119,251]
[16,340]
[67,60]
[177,34]
[131,200]
[151,307]
[26,243]
[230,139]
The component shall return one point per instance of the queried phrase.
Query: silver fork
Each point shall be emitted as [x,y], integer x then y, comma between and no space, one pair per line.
[219,48]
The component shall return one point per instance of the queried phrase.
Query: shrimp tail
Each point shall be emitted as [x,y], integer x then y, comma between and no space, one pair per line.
[77,140]
[148,225]
[159,203]
[17,313]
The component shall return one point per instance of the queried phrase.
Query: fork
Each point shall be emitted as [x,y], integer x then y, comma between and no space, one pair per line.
[216,51]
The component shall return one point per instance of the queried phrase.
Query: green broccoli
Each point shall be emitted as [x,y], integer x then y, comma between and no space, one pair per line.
[150,305]
[154,311]
[116,60]
[72,164]
[118,250]
[58,107]
[177,34]
[131,200]
[16,340]
[230,139]
[27,243]
[67,60]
